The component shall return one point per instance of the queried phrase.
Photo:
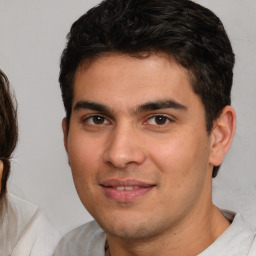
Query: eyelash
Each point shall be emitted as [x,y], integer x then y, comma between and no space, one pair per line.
[166,120]
[85,120]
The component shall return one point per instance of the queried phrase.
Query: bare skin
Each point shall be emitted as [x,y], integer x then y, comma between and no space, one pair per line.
[141,157]
[1,171]
[190,242]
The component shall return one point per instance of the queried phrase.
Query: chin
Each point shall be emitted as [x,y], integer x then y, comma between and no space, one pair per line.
[132,228]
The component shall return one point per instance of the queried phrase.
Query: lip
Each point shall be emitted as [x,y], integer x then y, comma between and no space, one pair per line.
[125,190]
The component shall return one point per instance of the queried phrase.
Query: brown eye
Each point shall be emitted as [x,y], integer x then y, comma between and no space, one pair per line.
[159,120]
[96,120]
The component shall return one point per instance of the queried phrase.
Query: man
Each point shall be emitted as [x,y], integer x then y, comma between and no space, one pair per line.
[146,87]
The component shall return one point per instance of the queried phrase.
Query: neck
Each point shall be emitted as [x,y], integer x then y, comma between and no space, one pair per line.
[189,238]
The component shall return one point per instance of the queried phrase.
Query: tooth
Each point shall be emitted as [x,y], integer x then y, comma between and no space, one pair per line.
[128,188]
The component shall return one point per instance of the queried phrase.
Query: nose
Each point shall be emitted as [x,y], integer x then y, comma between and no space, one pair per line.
[124,148]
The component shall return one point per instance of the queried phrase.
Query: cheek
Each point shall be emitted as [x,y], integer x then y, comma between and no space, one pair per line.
[82,151]
[183,165]
[84,160]
[172,154]
[181,158]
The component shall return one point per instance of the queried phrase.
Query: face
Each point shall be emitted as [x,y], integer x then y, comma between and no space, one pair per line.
[137,145]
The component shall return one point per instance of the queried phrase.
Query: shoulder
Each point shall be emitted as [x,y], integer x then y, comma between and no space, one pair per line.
[236,240]
[37,237]
[252,251]
[22,209]
[88,239]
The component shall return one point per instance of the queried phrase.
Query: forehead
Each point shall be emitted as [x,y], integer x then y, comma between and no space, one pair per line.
[129,80]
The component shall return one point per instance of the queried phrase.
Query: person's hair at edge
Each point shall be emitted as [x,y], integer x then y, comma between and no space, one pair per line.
[190,34]
[8,130]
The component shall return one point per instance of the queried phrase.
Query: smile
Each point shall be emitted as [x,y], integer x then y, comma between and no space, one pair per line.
[125,191]
[126,188]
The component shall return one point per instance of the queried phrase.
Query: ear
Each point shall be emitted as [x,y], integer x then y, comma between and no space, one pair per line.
[65,133]
[222,135]
[1,172]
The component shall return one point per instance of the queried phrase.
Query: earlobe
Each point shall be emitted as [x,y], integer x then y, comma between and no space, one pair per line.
[222,135]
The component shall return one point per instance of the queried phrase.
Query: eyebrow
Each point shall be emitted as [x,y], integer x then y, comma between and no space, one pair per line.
[92,106]
[149,106]
[161,104]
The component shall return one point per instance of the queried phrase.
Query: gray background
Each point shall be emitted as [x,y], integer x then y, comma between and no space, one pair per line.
[32,36]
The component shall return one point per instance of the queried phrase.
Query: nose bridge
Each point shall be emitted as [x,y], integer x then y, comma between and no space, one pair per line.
[124,147]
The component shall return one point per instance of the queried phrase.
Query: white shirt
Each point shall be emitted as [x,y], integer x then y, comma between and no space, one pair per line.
[90,239]
[24,231]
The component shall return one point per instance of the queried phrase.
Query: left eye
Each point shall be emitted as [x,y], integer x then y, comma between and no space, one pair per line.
[159,120]
[96,120]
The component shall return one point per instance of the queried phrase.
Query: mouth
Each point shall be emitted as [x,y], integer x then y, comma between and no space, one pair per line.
[125,190]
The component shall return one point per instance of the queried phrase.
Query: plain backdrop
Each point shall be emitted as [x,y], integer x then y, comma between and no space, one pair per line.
[32,37]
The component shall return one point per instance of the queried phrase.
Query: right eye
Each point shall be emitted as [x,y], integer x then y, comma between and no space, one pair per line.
[96,120]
